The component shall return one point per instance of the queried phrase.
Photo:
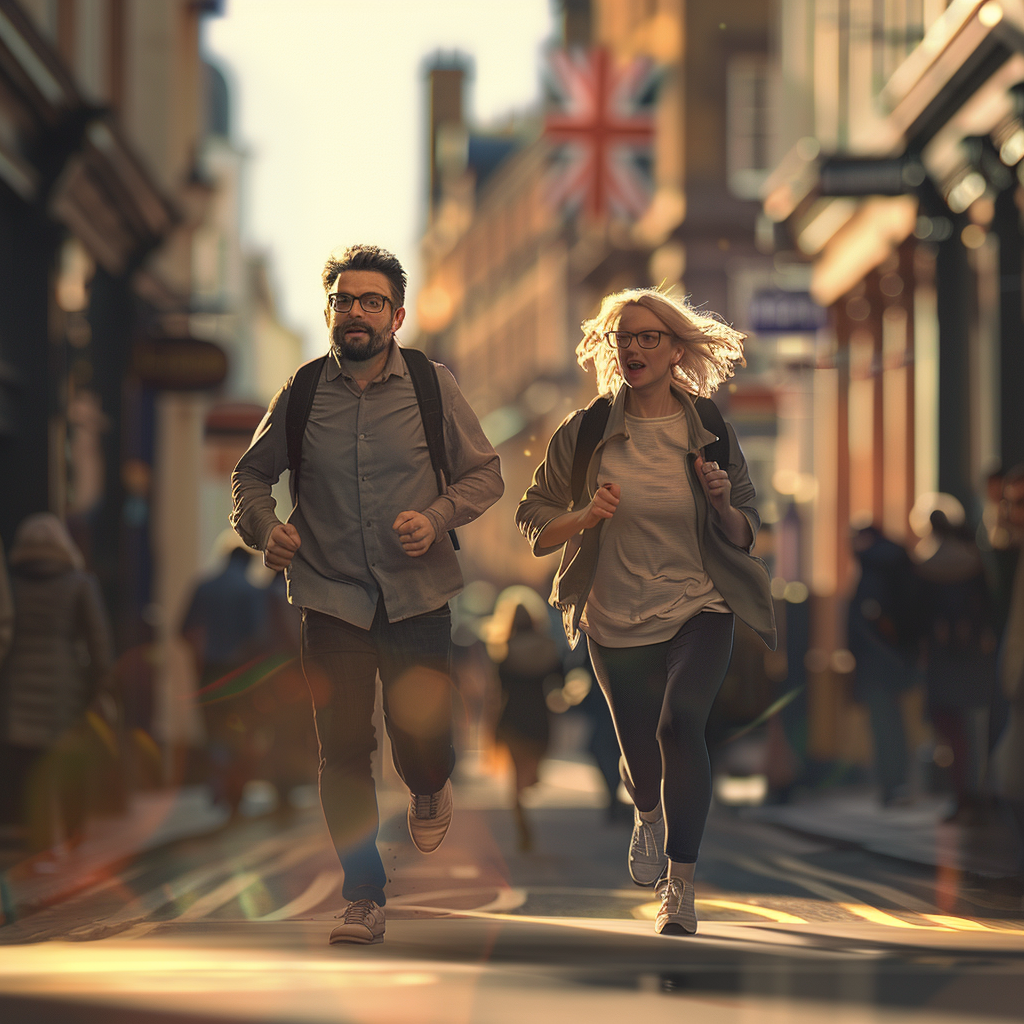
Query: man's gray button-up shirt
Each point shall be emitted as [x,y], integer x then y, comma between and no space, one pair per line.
[365,460]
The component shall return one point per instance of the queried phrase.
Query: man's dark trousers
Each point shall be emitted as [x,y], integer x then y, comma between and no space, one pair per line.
[341,662]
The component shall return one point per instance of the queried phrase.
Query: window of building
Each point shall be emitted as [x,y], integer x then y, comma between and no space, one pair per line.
[748,124]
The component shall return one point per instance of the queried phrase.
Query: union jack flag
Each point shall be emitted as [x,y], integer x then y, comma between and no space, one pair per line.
[603,128]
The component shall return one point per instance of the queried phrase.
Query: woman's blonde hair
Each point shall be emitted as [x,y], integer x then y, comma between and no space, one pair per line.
[711,348]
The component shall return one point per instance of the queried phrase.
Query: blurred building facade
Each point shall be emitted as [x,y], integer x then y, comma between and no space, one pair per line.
[508,279]
[101,101]
[129,308]
[894,204]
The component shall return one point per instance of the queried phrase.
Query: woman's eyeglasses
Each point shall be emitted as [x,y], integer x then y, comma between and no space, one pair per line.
[645,339]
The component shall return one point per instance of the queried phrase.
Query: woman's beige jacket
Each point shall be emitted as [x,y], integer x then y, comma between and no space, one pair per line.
[740,577]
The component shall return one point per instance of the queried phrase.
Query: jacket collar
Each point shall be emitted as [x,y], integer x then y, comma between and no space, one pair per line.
[395,365]
[699,435]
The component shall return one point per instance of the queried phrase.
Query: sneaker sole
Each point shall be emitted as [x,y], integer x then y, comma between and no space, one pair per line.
[353,940]
[675,929]
[645,883]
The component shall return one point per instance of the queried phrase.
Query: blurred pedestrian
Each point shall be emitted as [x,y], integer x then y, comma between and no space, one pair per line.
[368,432]
[529,667]
[57,669]
[6,608]
[226,627]
[655,561]
[1008,757]
[882,637]
[959,650]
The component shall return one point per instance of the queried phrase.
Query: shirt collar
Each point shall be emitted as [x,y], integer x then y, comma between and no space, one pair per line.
[699,435]
[395,365]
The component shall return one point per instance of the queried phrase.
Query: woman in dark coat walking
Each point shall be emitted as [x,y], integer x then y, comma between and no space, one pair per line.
[529,667]
[58,664]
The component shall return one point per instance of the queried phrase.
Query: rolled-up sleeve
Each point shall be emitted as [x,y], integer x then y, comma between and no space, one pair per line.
[550,494]
[476,482]
[254,510]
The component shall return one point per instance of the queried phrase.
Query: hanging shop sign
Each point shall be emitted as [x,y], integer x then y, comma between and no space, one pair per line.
[781,311]
[179,364]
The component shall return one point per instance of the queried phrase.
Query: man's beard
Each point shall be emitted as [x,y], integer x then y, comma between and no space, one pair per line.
[358,351]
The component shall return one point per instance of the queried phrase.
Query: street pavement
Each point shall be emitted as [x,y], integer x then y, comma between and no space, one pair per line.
[231,922]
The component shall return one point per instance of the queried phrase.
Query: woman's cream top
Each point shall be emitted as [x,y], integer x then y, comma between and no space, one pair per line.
[650,578]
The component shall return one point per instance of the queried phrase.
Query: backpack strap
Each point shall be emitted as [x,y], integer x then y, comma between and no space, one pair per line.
[300,404]
[711,417]
[595,418]
[428,397]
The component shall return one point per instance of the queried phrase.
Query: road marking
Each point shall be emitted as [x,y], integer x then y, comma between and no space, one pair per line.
[876,916]
[224,893]
[752,908]
[960,924]
[828,892]
[136,912]
[506,899]
[887,892]
[319,890]
[649,911]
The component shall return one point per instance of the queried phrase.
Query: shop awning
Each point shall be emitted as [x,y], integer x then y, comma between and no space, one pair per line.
[57,149]
[958,83]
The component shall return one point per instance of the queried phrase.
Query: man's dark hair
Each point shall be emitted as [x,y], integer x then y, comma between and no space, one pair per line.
[368,257]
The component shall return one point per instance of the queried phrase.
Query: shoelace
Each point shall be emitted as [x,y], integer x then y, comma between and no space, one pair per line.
[672,895]
[359,911]
[645,837]
[426,806]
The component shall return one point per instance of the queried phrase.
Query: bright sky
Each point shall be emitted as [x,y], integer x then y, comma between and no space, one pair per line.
[329,98]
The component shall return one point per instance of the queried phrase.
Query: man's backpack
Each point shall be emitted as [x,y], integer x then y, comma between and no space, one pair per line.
[428,397]
[595,418]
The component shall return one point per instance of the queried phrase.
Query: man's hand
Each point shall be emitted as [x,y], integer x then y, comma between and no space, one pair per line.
[602,506]
[415,531]
[717,484]
[281,547]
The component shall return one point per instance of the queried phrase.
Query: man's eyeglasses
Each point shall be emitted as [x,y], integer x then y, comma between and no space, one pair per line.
[371,302]
[645,339]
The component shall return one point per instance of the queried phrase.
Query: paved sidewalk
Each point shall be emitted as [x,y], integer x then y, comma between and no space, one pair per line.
[914,833]
[153,820]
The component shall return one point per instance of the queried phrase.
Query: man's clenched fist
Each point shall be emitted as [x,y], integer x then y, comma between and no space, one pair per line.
[281,547]
[415,531]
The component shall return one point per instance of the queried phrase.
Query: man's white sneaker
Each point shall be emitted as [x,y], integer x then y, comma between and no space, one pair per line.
[677,915]
[363,924]
[429,818]
[647,850]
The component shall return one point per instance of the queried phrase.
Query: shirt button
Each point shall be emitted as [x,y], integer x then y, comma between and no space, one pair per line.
[363,478]
[368,523]
[362,437]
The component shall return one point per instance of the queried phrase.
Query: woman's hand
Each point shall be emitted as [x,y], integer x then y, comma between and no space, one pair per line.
[718,488]
[717,484]
[602,505]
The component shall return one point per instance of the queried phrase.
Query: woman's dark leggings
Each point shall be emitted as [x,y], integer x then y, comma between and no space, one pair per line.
[660,697]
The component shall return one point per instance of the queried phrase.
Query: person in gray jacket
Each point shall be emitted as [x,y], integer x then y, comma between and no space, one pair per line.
[368,558]
[58,665]
[6,607]
[655,564]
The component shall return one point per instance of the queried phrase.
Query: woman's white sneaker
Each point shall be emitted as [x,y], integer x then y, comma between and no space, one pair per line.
[677,915]
[647,850]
